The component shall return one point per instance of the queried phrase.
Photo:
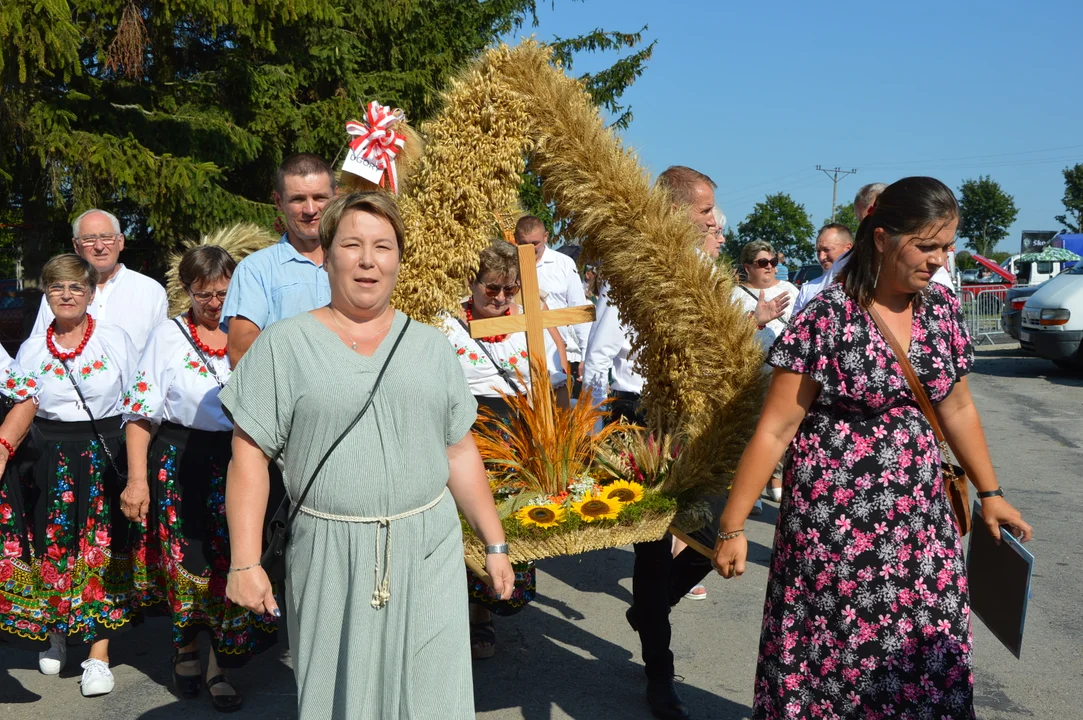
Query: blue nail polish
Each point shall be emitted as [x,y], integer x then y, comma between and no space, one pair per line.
[276,612]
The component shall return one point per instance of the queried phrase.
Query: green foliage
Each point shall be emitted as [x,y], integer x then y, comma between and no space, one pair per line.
[174,114]
[998,256]
[1072,219]
[985,212]
[783,223]
[965,261]
[845,215]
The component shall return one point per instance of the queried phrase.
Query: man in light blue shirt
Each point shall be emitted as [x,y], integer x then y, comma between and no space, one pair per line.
[287,278]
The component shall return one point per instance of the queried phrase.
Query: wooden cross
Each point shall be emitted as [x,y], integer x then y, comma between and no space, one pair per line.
[534,322]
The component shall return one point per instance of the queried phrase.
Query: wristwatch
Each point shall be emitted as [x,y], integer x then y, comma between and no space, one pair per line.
[501,549]
[999,492]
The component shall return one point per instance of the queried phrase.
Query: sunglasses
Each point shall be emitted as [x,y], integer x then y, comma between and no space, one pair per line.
[495,290]
[762,263]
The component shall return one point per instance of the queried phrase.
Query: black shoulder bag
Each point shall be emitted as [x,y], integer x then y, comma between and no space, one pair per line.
[203,358]
[508,376]
[121,475]
[278,529]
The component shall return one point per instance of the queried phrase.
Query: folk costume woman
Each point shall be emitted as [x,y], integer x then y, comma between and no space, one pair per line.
[74,579]
[496,366]
[867,604]
[374,573]
[177,491]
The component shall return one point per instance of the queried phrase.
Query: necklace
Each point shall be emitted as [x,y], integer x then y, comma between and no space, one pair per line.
[51,344]
[200,344]
[490,338]
[353,341]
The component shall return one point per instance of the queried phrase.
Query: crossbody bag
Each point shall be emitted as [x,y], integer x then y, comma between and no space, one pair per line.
[278,529]
[955,480]
[122,476]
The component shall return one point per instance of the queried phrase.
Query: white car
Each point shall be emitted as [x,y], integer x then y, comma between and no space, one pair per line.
[1052,322]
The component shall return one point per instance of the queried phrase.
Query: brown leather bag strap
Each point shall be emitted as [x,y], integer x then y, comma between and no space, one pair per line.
[911,376]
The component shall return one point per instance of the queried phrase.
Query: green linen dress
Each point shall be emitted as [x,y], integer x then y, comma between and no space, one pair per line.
[297,389]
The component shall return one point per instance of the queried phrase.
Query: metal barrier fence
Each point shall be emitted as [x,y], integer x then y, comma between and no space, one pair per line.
[982,312]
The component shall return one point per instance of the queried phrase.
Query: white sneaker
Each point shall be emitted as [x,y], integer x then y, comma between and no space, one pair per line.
[53,660]
[757,509]
[697,593]
[97,679]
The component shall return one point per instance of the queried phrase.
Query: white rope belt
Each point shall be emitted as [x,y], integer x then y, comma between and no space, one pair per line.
[382,586]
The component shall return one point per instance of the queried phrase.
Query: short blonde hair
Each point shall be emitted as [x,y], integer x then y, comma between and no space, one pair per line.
[380,204]
[69,268]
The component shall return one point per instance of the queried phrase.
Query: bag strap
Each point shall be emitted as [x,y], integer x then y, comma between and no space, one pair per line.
[93,424]
[352,425]
[510,379]
[757,299]
[911,377]
[199,352]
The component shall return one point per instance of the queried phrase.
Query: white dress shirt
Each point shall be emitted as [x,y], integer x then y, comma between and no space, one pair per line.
[814,287]
[129,299]
[562,287]
[609,348]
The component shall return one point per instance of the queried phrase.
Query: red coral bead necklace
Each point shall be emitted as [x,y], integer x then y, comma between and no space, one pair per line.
[62,356]
[199,343]
[490,338]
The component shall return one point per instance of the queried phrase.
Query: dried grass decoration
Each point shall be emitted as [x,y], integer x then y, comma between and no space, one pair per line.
[240,241]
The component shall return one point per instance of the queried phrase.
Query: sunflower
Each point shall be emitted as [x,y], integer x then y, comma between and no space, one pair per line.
[597,508]
[543,516]
[623,491]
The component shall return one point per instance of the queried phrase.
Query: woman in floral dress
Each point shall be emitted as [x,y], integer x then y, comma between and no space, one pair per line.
[867,612]
[492,294]
[68,547]
[177,491]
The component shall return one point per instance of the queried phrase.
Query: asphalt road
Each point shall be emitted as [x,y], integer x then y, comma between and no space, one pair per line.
[572,655]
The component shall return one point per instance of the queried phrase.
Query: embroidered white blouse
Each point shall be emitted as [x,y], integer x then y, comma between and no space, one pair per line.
[102,371]
[484,379]
[171,383]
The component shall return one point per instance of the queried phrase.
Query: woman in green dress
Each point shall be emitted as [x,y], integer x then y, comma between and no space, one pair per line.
[378,628]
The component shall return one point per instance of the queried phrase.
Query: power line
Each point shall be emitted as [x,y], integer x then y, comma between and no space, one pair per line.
[835,174]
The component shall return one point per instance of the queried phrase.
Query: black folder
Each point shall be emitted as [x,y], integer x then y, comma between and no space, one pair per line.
[999,580]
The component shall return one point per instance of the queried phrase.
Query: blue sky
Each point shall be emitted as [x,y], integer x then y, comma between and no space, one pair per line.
[759,93]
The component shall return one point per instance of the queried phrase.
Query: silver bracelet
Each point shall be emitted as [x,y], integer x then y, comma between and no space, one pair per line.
[500,549]
[242,569]
[730,535]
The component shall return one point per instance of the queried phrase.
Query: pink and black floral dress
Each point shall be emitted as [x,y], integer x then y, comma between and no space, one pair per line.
[66,565]
[867,613]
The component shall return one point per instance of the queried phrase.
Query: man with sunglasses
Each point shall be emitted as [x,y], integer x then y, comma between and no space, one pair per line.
[124,297]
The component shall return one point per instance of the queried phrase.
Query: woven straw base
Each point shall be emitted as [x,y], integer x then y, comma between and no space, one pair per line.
[587,538]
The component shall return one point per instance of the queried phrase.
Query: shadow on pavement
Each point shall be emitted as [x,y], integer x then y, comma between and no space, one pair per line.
[12,691]
[544,661]
[1014,364]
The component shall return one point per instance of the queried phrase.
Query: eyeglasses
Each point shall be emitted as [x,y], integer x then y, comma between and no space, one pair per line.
[92,240]
[762,263]
[205,297]
[58,289]
[495,290]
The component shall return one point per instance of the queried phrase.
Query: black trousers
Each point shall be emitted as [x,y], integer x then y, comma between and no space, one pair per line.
[659,580]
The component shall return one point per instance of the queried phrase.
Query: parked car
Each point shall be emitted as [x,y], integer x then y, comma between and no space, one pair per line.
[806,273]
[969,276]
[1052,322]
[1011,313]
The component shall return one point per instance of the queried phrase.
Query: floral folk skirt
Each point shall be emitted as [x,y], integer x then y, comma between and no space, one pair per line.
[182,560]
[66,564]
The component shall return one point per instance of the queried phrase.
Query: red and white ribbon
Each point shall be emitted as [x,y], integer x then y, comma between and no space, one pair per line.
[376,141]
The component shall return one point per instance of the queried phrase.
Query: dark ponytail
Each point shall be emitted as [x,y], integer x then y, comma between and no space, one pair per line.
[905,207]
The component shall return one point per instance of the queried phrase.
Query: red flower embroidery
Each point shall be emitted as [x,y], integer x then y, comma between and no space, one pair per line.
[67,496]
[513,360]
[10,383]
[5,511]
[522,354]
[127,401]
[5,573]
[48,367]
[460,351]
[59,372]
[94,557]
[473,356]
[203,368]
[98,364]
[21,393]
[193,364]
[31,383]
[49,573]
[55,552]
[93,591]
[136,406]
[141,387]
[85,370]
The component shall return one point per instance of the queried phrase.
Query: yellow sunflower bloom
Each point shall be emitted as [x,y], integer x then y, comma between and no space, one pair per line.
[597,508]
[543,516]
[623,491]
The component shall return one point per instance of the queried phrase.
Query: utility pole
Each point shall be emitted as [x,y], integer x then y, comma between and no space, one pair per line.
[835,174]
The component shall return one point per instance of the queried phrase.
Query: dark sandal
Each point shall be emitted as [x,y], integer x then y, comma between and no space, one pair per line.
[186,685]
[224,703]
[482,640]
